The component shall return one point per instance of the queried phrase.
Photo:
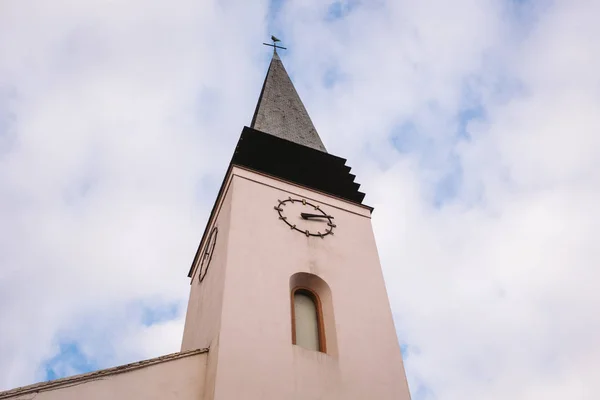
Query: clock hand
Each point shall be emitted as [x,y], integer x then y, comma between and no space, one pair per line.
[308,216]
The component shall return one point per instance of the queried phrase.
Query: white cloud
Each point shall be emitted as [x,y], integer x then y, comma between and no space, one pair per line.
[110,160]
[117,123]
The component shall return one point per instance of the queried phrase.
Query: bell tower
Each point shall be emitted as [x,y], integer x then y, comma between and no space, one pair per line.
[286,286]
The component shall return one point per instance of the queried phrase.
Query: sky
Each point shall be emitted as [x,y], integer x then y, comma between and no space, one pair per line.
[473,127]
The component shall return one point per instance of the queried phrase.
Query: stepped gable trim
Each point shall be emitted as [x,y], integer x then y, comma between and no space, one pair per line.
[270,155]
[91,376]
[297,164]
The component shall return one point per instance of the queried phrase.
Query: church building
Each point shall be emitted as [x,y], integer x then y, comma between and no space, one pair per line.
[287,297]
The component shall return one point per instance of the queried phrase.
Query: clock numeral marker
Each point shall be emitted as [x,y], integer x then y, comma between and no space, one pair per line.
[320,217]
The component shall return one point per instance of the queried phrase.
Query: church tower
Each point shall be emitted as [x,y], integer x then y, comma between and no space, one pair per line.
[287,291]
[287,296]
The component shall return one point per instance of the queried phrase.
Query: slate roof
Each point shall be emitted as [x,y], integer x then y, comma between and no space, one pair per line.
[282,142]
[280,111]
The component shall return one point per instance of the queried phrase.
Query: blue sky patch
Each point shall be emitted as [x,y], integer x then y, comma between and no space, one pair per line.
[447,187]
[159,313]
[69,361]
[331,77]
[275,7]
[476,112]
[422,392]
[340,9]
[406,139]
[404,350]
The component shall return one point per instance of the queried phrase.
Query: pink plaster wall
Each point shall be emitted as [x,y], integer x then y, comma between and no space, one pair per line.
[256,359]
[181,379]
[242,311]
[203,318]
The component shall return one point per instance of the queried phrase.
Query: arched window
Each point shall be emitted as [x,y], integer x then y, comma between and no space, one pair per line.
[307,320]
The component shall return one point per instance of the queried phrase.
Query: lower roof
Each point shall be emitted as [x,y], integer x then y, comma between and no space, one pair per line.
[82,378]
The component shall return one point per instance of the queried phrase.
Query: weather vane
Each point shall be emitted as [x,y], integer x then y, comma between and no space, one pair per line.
[274,45]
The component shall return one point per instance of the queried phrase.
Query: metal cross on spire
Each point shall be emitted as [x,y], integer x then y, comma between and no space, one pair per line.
[274,45]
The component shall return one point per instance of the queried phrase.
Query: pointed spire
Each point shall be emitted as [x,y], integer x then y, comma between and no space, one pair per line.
[280,111]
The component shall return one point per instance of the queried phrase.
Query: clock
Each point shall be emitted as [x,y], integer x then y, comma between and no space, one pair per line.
[209,248]
[305,217]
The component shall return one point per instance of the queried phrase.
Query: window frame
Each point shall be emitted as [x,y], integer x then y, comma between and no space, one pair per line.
[317,301]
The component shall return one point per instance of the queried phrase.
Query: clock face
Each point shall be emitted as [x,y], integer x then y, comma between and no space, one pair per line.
[305,217]
[209,248]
